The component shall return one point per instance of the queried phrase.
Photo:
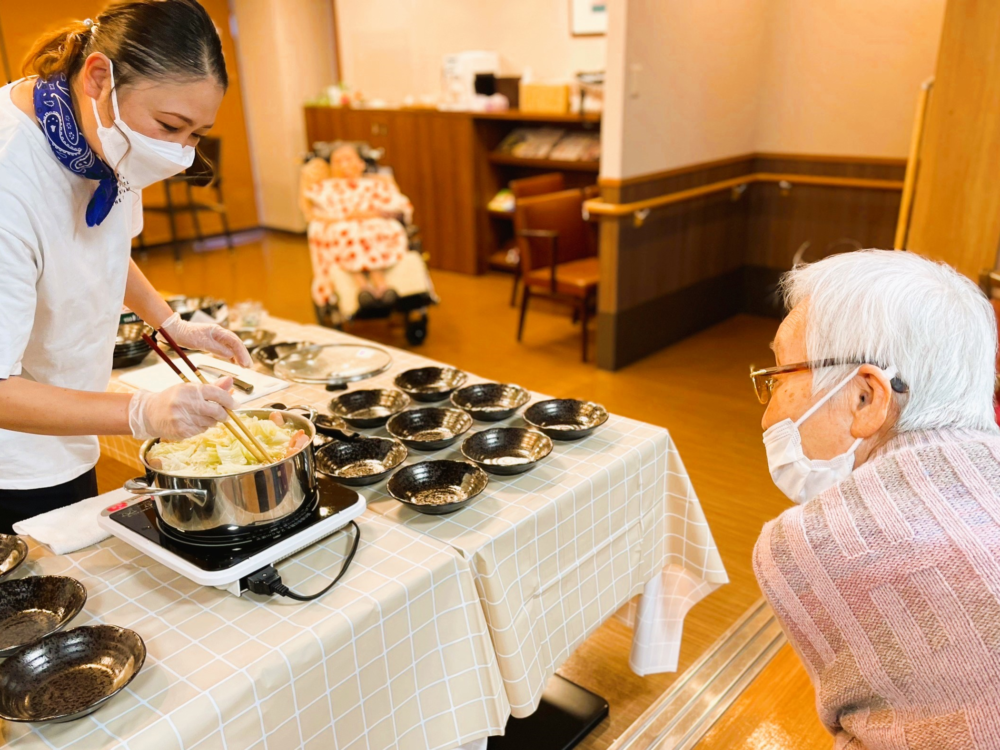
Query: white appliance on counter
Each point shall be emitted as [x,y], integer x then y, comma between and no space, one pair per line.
[458,78]
[227,566]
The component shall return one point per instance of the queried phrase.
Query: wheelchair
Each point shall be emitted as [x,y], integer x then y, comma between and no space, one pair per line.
[409,278]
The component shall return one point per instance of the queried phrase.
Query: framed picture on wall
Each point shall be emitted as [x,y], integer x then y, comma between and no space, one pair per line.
[588,17]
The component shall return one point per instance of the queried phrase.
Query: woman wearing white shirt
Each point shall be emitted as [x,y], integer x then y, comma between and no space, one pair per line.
[108,108]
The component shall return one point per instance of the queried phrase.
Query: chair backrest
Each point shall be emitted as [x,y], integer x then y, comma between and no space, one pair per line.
[551,182]
[562,213]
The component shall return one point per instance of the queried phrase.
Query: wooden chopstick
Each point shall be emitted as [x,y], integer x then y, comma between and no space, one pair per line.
[236,434]
[239,422]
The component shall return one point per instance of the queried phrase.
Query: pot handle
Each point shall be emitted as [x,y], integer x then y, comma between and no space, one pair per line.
[300,407]
[139,486]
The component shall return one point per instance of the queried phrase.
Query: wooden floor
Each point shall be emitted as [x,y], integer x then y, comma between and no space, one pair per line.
[777,712]
[698,389]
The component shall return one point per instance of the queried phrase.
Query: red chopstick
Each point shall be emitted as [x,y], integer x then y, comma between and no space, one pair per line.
[173,345]
[165,357]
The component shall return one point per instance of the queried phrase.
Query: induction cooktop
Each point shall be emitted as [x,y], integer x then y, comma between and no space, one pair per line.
[226,566]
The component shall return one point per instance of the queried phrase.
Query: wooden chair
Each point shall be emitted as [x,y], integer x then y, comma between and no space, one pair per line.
[551,182]
[560,254]
[207,165]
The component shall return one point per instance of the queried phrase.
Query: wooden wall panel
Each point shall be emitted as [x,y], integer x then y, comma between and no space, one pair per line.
[779,223]
[956,212]
[695,263]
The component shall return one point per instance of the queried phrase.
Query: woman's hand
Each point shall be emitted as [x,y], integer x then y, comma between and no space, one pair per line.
[182,411]
[208,337]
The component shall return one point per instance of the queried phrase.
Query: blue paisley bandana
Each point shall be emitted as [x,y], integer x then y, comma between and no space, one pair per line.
[54,110]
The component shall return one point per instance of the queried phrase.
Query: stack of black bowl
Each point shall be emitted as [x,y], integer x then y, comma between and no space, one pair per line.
[130,349]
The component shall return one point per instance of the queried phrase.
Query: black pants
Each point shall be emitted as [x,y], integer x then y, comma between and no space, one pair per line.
[16,505]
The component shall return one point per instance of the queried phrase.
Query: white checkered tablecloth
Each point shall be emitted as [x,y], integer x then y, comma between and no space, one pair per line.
[397,655]
[558,550]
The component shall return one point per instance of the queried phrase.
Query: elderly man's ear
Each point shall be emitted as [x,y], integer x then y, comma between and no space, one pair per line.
[873,404]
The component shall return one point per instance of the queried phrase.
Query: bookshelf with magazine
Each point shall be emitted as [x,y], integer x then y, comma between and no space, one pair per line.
[524,150]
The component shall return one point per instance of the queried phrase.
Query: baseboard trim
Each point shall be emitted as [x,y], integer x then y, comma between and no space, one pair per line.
[761,295]
[629,335]
[682,716]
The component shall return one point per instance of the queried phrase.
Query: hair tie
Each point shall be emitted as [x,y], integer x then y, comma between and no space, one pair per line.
[90,25]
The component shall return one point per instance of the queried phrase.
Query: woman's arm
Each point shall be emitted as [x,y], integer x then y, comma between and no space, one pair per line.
[27,406]
[142,299]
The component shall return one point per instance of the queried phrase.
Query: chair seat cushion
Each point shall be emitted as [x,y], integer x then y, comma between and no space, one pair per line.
[576,278]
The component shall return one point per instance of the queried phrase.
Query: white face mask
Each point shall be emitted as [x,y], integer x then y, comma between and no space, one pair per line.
[799,477]
[139,160]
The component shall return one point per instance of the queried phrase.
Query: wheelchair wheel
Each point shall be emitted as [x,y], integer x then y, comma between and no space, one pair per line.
[416,328]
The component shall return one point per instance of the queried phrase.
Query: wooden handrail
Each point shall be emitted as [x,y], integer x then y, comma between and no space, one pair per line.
[910,180]
[640,209]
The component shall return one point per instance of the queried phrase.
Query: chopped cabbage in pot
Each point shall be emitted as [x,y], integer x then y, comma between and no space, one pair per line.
[217,452]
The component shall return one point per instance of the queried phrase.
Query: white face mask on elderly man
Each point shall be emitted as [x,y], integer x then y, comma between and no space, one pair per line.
[139,160]
[801,478]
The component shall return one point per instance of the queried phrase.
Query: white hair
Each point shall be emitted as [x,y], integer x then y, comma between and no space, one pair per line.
[892,308]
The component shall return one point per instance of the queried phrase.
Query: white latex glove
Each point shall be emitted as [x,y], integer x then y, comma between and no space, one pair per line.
[208,337]
[182,411]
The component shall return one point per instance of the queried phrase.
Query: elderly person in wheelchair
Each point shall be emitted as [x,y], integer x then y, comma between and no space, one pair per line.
[354,225]
[880,424]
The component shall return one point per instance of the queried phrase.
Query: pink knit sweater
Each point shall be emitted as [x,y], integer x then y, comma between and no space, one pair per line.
[888,586]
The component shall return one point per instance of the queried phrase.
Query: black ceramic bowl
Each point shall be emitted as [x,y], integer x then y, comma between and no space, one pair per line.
[188,306]
[506,450]
[271,353]
[566,418]
[33,607]
[70,674]
[369,408]
[430,428]
[490,402]
[437,487]
[360,462]
[13,552]
[120,361]
[130,336]
[430,383]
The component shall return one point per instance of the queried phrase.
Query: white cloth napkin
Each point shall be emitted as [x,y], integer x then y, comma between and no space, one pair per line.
[74,527]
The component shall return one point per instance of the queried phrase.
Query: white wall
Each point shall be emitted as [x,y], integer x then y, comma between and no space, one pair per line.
[842,76]
[722,78]
[687,80]
[286,51]
[393,48]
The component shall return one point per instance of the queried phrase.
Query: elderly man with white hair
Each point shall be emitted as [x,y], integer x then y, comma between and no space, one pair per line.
[880,422]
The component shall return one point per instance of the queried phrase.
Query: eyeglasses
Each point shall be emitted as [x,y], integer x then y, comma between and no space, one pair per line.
[764,380]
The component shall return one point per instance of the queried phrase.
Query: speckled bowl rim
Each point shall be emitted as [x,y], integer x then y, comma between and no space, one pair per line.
[6,652]
[21,545]
[140,661]
[534,430]
[411,504]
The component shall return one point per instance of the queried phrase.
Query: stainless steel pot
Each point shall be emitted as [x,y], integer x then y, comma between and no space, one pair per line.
[232,503]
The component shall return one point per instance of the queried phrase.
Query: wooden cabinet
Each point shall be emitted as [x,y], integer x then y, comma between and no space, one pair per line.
[442,161]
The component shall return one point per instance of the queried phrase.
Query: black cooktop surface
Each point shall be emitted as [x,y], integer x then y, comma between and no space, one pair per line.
[141,519]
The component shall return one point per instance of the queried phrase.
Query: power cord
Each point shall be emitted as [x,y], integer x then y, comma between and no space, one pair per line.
[267,581]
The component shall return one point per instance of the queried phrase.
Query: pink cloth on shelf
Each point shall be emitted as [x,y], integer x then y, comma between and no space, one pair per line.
[888,586]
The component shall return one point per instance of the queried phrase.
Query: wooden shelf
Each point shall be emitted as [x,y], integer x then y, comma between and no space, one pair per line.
[574,166]
[513,114]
